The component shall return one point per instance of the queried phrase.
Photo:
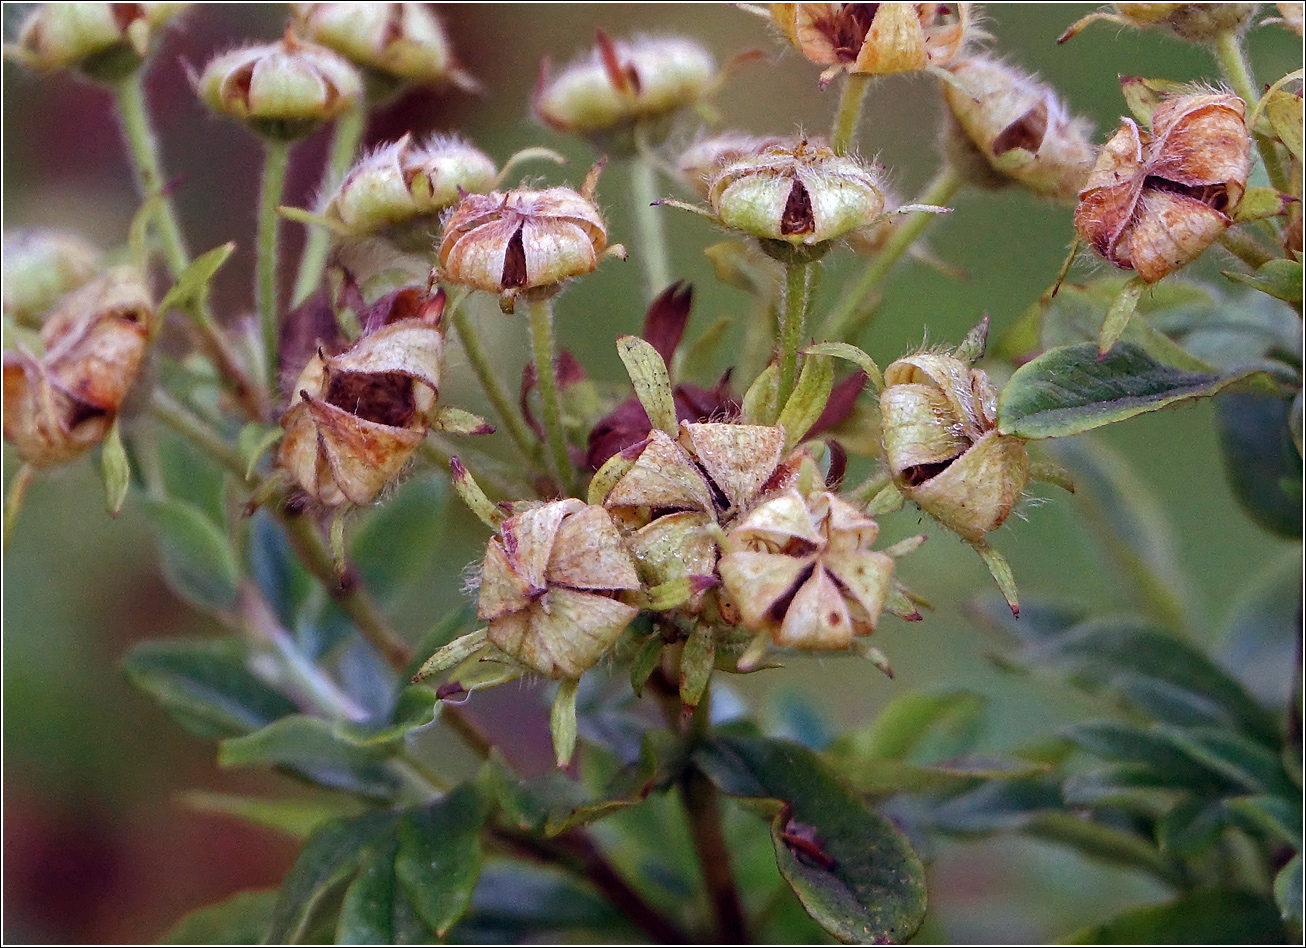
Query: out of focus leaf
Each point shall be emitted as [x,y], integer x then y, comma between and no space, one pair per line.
[396,542]
[1278,278]
[282,579]
[439,855]
[513,899]
[206,685]
[998,806]
[1101,842]
[297,818]
[1288,890]
[917,726]
[1191,827]
[1277,817]
[1259,645]
[311,747]
[374,910]
[254,440]
[242,919]
[854,872]
[114,469]
[1204,917]
[196,558]
[193,285]
[1260,459]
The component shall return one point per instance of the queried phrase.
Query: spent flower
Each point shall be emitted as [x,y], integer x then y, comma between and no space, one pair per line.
[1194,22]
[105,41]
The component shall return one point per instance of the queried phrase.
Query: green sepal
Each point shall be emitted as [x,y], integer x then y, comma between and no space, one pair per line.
[1258,204]
[758,407]
[648,374]
[850,353]
[645,661]
[192,287]
[562,721]
[697,660]
[1119,314]
[808,400]
[115,469]
[253,442]
[1278,278]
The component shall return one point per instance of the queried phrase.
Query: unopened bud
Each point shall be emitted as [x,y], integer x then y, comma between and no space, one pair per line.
[357,417]
[60,405]
[39,267]
[105,41]
[548,586]
[1155,201]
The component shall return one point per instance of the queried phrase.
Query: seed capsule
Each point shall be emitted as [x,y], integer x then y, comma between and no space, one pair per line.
[1195,22]
[106,41]
[39,267]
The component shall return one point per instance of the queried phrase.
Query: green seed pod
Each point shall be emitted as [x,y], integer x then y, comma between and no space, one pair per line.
[105,41]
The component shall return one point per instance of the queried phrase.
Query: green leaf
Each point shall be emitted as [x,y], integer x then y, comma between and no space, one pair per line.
[1204,917]
[311,747]
[1119,313]
[849,352]
[114,469]
[883,777]
[206,685]
[695,361]
[254,440]
[1069,390]
[856,875]
[759,406]
[196,558]
[1288,890]
[1284,113]
[515,899]
[1191,827]
[1259,645]
[192,286]
[1260,460]
[1279,818]
[329,857]
[367,913]
[396,542]
[697,659]
[1278,278]
[1101,842]
[562,721]
[919,726]
[440,855]
[645,660]
[808,400]
[242,919]
[296,818]
[648,373]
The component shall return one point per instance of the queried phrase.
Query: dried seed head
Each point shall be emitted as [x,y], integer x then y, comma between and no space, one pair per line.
[1155,201]
[800,193]
[357,417]
[939,422]
[106,41]
[1195,22]
[283,90]
[59,405]
[401,182]
[620,83]
[39,267]
[803,570]
[522,241]
[548,583]
[874,38]
[699,162]
[403,41]
[1019,128]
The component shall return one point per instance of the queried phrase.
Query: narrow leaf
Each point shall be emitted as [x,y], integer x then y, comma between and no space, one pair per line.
[440,856]
[844,350]
[808,400]
[697,659]
[253,442]
[759,406]
[648,373]
[296,818]
[242,919]
[472,495]
[310,747]
[193,285]
[1288,890]
[1279,278]
[646,659]
[1203,917]
[1000,570]
[367,912]
[1122,308]
[115,469]
[562,721]
[195,556]
[455,421]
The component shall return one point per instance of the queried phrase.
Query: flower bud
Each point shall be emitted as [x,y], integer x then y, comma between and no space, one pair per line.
[874,38]
[620,83]
[1195,22]
[804,571]
[60,405]
[522,241]
[401,182]
[801,193]
[283,90]
[404,41]
[1155,201]
[939,422]
[39,267]
[1019,129]
[106,41]
[357,417]
[548,586]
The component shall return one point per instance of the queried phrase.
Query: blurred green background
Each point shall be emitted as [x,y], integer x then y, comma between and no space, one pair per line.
[96,845]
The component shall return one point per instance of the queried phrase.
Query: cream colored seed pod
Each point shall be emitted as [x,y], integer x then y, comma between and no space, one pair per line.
[698,163]
[358,417]
[107,40]
[39,267]
[804,570]
[548,583]
[943,447]
[62,404]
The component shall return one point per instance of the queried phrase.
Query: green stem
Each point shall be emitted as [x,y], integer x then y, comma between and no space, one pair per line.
[276,161]
[648,221]
[1233,61]
[344,145]
[485,374]
[542,343]
[1245,248]
[849,112]
[847,320]
[143,148]
[793,324]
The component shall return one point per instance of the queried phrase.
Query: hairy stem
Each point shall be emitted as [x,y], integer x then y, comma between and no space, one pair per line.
[276,160]
[1233,61]
[344,145]
[483,366]
[849,112]
[793,325]
[847,320]
[648,222]
[542,342]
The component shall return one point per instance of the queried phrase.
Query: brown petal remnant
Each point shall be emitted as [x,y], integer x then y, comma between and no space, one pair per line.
[1018,129]
[943,447]
[804,571]
[874,38]
[548,586]
[1155,200]
[62,404]
[357,417]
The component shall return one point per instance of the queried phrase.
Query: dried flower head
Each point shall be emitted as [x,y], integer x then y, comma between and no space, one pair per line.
[62,404]
[799,193]
[106,41]
[548,586]
[804,571]
[1018,128]
[1155,201]
[403,41]
[939,423]
[874,38]
[1195,22]
[283,90]
[524,241]
[39,267]
[699,162]
[357,417]
[620,83]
